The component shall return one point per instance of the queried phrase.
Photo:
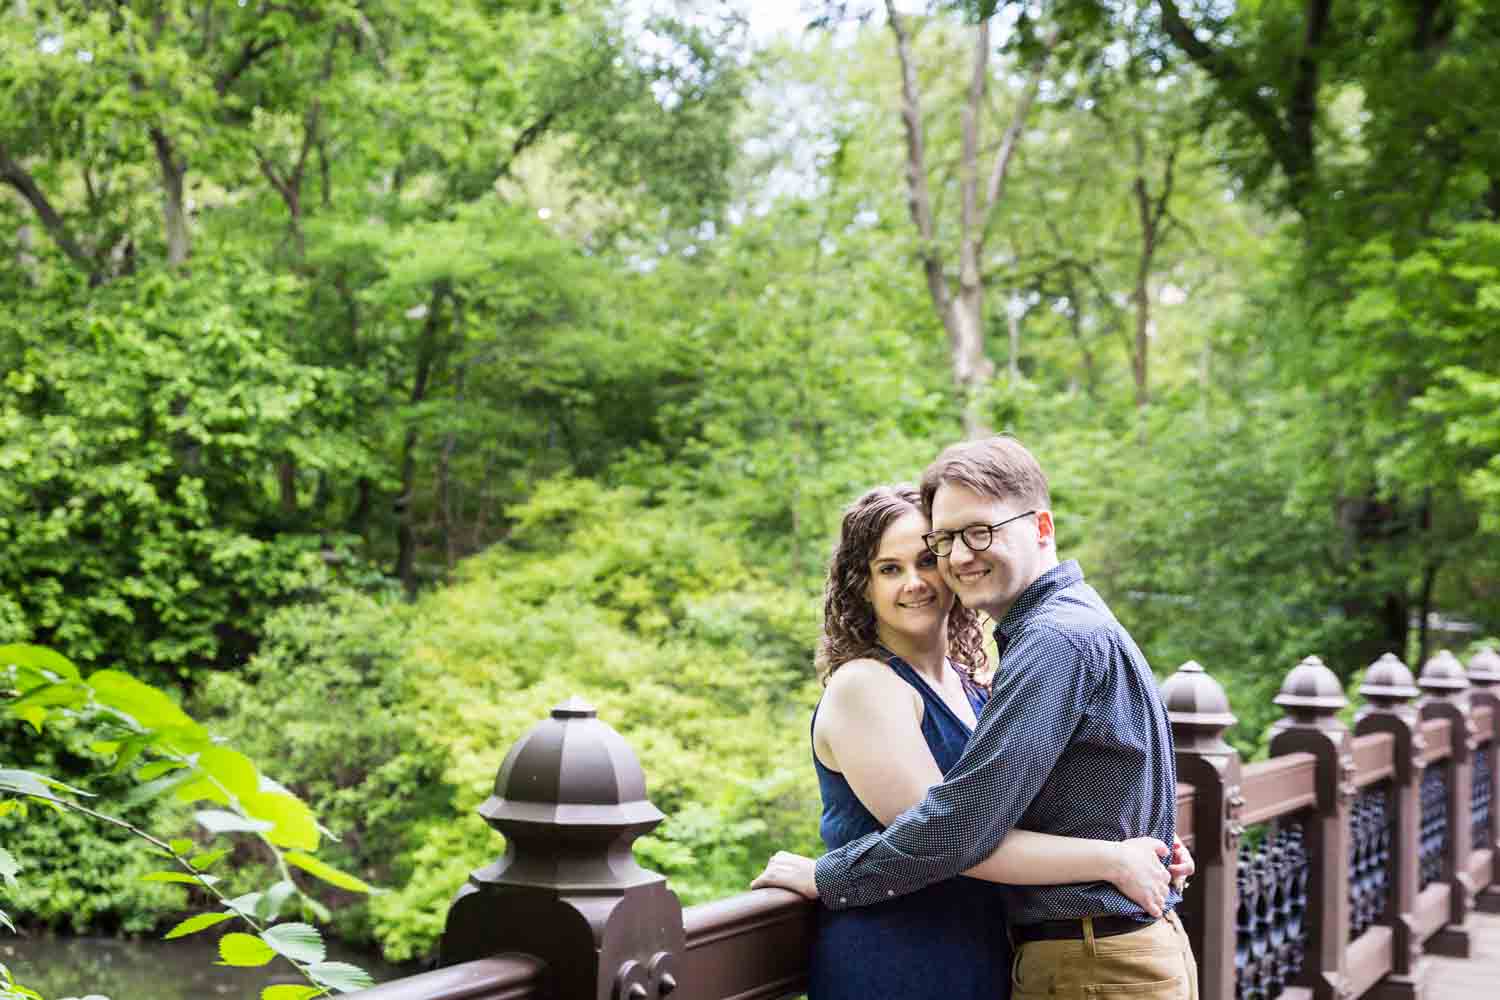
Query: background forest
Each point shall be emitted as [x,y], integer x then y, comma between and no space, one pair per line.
[377,375]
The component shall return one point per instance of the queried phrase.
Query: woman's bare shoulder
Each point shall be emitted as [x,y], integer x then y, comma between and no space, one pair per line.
[857,683]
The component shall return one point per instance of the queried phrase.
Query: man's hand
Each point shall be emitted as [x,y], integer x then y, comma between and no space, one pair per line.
[1181,866]
[1140,874]
[791,871]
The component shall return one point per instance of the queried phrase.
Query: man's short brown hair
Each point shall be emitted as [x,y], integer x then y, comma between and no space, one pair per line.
[998,467]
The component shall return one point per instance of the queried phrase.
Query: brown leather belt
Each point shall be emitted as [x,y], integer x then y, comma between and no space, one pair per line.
[1072,930]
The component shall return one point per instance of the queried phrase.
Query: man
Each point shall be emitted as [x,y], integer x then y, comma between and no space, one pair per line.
[1074,741]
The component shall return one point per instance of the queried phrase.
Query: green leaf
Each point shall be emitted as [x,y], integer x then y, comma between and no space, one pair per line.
[6,921]
[180,877]
[231,769]
[180,845]
[221,821]
[38,658]
[32,715]
[155,769]
[157,786]
[9,867]
[199,789]
[292,992]
[293,824]
[296,941]
[270,904]
[144,704]
[38,785]
[341,976]
[326,872]
[246,905]
[193,925]
[246,950]
[207,858]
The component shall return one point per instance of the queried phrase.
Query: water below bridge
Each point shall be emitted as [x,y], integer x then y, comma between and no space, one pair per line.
[151,970]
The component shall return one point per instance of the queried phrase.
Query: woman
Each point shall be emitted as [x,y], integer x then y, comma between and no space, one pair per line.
[898,659]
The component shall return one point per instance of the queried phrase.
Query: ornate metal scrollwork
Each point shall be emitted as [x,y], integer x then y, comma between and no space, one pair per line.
[1271,938]
[1481,797]
[1434,835]
[1370,833]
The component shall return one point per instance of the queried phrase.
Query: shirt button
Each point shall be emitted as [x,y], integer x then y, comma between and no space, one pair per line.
[890,892]
[843,899]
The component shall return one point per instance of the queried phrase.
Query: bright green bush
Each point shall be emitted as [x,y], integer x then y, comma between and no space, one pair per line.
[329,701]
[392,720]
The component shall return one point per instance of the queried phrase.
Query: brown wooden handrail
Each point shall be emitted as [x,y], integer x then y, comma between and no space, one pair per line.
[503,977]
[753,946]
[1279,787]
[1437,734]
[1374,758]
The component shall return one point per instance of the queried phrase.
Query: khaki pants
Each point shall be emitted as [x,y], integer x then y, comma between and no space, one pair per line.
[1154,963]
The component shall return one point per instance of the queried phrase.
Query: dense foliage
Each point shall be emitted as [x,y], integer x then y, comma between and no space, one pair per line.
[382,374]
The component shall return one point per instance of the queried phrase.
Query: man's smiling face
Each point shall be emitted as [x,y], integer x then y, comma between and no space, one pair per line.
[990,580]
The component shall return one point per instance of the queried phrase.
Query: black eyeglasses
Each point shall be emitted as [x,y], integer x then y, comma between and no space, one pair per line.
[977,537]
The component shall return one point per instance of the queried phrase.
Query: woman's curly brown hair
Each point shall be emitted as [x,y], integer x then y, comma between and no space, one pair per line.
[848,618]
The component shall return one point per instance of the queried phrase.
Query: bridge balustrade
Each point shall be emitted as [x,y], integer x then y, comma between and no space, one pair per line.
[1326,872]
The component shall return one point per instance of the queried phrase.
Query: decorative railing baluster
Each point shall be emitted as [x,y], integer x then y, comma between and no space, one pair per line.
[1434,823]
[1480,796]
[1271,941]
[1369,858]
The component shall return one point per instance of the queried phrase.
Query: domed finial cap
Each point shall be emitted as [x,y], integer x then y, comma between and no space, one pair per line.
[1191,696]
[1198,710]
[571,772]
[1311,689]
[574,708]
[1388,681]
[1442,674]
[1484,668]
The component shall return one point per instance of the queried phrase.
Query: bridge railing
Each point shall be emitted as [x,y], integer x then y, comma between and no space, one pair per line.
[1326,872]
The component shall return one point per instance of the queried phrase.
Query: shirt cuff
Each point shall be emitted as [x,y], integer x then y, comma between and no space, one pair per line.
[831,879]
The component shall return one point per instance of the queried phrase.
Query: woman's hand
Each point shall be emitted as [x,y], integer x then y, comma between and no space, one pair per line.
[1181,866]
[1140,875]
[791,871]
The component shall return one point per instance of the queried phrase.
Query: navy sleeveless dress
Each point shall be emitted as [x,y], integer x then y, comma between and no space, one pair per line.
[945,942]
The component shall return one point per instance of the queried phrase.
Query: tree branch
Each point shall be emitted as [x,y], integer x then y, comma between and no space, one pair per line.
[1003,157]
[20,178]
[968,164]
[1302,109]
[1295,161]
[919,199]
[247,58]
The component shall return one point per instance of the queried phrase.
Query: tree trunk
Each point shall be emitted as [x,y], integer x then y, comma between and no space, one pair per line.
[174,206]
[406,546]
[961,314]
[1150,211]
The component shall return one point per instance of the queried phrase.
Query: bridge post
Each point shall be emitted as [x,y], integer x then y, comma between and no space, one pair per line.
[1445,695]
[1388,690]
[570,798]
[1311,696]
[1484,689]
[1199,712]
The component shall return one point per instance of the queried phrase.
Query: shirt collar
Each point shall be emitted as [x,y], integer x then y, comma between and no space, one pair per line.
[1059,577]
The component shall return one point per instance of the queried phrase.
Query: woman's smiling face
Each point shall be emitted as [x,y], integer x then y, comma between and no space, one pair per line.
[906,590]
